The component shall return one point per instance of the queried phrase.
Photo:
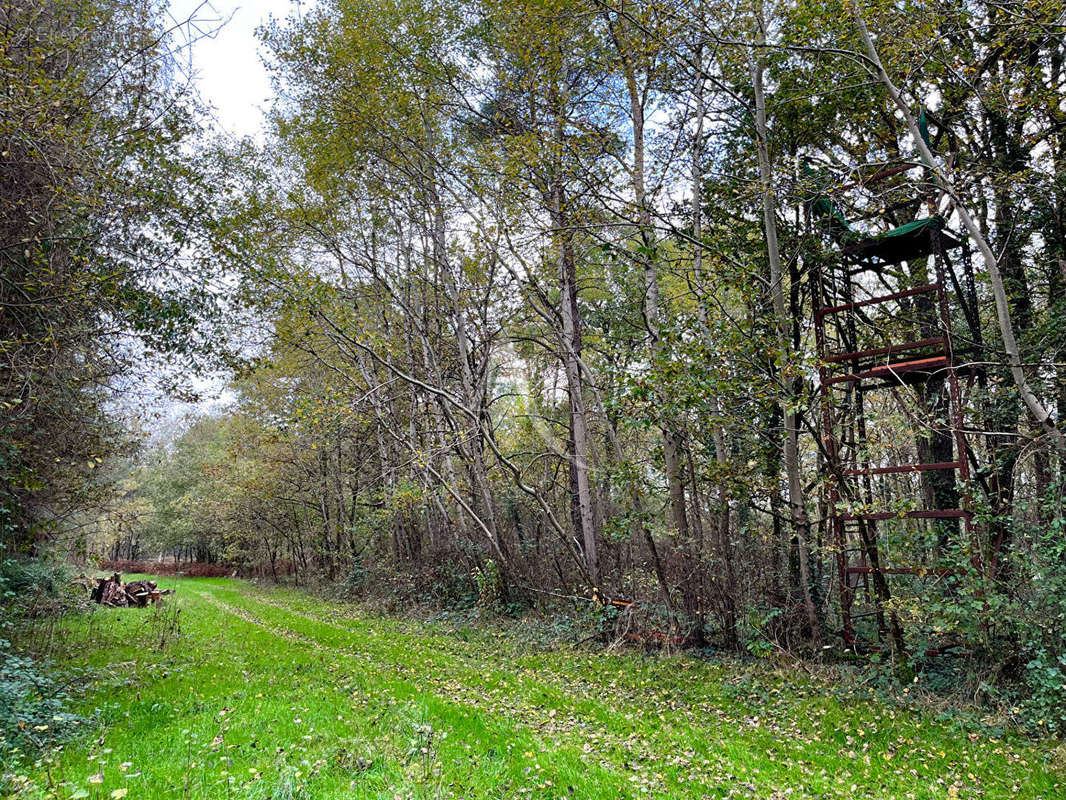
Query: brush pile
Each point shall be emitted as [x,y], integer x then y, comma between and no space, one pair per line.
[113,592]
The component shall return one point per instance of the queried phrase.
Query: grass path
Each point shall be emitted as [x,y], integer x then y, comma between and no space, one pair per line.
[275,694]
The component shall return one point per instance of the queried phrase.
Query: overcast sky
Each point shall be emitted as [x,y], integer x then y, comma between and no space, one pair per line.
[227,68]
[230,76]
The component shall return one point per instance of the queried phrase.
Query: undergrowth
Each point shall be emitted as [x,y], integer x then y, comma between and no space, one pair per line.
[34,698]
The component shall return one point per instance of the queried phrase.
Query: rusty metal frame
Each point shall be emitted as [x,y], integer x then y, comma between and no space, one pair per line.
[854,383]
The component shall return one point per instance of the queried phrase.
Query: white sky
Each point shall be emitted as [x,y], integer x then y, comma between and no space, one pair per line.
[226,66]
[230,76]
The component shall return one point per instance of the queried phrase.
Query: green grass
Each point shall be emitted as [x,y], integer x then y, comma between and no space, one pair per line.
[276,694]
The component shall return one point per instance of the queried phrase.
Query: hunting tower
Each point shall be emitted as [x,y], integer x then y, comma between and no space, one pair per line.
[896,323]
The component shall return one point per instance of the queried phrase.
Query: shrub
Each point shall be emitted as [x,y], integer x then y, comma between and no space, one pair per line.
[454,587]
[1045,699]
[1014,628]
[489,582]
[32,706]
[32,702]
[28,583]
[758,629]
[354,583]
[1034,619]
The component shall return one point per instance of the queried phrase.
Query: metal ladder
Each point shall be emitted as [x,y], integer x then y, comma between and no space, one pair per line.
[848,374]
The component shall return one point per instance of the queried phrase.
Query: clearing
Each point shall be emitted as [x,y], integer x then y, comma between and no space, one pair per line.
[270,693]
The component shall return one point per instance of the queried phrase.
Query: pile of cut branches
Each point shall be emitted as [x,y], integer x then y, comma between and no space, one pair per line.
[113,592]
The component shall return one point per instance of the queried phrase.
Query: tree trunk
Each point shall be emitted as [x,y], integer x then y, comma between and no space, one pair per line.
[470,393]
[570,341]
[797,507]
[671,447]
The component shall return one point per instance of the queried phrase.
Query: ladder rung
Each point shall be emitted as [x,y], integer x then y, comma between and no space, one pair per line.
[931,287]
[881,351]
[890,370]
[945,465]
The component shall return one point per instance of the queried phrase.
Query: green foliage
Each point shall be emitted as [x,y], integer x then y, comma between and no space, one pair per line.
[354,583]
[105,216]
[34,703]
[1034,619]
[34,707]
[24,580]
[757,631]
[33,588]
[489,583]
[1044,696]
[454,586]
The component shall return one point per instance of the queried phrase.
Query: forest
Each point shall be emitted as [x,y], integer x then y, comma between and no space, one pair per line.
[740,325]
